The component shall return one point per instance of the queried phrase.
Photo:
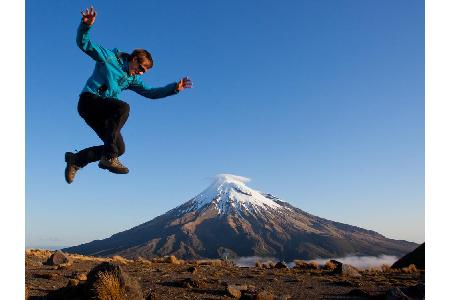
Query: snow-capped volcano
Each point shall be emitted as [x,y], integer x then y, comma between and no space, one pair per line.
[230,217]
[228,193]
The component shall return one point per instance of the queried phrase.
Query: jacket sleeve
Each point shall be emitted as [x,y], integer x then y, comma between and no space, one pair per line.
[84,42]
[153,93]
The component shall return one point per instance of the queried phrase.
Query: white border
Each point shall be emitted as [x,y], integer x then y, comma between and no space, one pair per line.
[437,148]
[12,155]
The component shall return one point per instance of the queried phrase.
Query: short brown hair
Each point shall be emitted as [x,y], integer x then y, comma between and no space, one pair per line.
[143,57]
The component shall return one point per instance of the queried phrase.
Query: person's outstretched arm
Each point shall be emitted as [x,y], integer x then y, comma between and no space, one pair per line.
[84,42]
[155,93]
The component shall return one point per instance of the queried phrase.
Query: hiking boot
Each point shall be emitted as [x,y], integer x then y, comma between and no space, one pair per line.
[113,165]
[71,168]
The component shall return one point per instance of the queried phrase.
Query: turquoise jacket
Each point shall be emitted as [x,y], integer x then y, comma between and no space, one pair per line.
[110,75]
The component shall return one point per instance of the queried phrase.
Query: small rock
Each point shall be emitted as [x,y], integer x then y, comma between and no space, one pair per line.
[283,297]
[189,283]
[192,269]
[281,265]
[79,276]
[73,282]
[64,266]
[153,296]
[233,291]
[264,296]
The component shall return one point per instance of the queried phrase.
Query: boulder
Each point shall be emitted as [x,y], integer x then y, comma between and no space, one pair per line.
[58,258]
[281,265]
[189,283]
[344,269]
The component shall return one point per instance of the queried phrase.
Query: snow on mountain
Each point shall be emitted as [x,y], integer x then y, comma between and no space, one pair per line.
[229,193]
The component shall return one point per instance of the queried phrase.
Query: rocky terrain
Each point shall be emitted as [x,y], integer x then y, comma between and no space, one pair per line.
[58,275]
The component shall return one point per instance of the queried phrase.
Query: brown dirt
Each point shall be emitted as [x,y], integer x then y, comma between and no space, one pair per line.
[165,280]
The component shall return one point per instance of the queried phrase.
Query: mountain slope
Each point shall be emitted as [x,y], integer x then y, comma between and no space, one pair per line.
[230,219]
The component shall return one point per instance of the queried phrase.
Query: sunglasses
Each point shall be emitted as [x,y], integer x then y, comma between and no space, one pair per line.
[141,68]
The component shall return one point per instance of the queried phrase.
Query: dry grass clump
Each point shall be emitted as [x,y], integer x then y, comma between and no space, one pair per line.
[210,262]
[107,287]
[300,264]
[144,261]
[410,269]
[386,268]
[374,271]
[38,253]
[329,266]
[303,265]
[313,265]
[171,259]
[89,258]
[258,265]
[108,281]
[268,264]
[120,260]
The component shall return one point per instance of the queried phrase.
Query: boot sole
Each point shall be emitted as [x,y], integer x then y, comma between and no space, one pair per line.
[112,170]
[67,159]
[67,177]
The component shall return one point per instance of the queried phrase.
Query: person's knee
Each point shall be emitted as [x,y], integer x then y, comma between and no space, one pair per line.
[124,109]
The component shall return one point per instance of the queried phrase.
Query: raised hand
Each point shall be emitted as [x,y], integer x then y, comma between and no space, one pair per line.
[88,16]
[184,83]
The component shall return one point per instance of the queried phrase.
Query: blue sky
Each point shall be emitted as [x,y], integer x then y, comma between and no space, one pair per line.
[318,102]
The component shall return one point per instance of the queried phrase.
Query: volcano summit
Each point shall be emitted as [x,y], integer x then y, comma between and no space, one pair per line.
[229,219]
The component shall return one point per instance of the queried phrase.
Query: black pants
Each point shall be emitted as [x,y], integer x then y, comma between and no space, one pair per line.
[106,116]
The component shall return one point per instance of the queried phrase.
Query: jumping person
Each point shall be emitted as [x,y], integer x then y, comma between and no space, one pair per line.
[99,105]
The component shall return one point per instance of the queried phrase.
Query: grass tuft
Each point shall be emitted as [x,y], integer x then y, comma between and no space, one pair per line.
[107,287]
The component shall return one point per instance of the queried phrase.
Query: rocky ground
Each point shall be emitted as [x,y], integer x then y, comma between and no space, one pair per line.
[170,278]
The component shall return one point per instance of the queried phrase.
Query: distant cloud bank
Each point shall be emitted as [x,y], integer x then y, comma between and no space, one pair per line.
[360,262]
